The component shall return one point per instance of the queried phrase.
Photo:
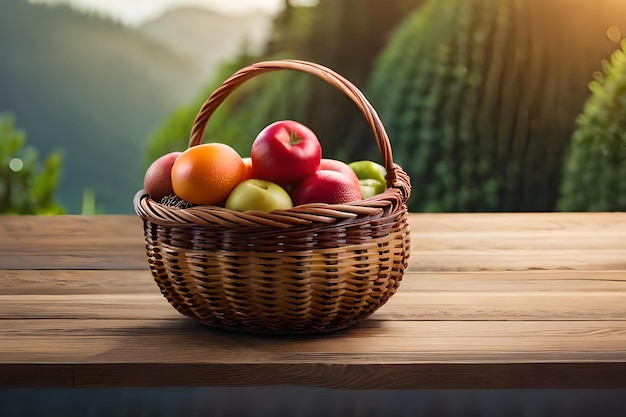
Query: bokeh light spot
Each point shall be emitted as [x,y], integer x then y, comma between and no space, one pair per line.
[16,164]
[614,33]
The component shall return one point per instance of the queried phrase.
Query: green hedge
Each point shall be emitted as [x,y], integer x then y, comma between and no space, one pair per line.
[594,177]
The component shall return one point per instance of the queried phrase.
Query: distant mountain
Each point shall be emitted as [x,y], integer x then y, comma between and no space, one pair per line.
[93,89]
[207,36]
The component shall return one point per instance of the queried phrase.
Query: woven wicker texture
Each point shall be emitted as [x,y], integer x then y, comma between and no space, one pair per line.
[312,268]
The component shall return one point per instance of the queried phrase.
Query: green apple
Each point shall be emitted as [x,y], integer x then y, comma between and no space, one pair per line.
[369,169]
[260,195]
[371,177]
[371,187]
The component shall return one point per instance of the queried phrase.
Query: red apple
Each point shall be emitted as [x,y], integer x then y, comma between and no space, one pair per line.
[325,186]
[285,152]
[158,178]
[339,166]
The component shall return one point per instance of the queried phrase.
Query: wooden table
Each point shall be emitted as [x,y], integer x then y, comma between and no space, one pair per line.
[489,301]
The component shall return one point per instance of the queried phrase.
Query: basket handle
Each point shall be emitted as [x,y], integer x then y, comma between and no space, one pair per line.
[244,74]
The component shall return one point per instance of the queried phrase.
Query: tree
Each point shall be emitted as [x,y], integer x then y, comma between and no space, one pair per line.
[344,35]
[480,97]
[26,186]
[595,168]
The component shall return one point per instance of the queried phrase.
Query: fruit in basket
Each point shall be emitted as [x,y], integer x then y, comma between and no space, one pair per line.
[261,195]
[157,180]
[371,187]
[371,177]
[285,152]
[369,169]
[207,173]
[248,163]
[325,186]
[339,166]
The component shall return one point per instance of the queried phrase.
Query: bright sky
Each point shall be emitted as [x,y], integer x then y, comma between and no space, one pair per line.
[134,12]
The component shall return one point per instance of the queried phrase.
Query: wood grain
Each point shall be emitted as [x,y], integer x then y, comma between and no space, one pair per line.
[529,295]
[450,242]
[371,355]
[376,375]
[65,282]
[396,342]
[489,301]
[72,242]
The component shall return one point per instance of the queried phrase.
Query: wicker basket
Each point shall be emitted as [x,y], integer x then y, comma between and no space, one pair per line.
[312,268]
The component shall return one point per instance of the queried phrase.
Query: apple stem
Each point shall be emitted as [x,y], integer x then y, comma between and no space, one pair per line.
[294,139]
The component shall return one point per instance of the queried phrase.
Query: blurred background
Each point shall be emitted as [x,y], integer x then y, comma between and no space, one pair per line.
[490,105]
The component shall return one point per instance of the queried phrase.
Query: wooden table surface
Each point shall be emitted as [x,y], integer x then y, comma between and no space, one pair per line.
[488,301]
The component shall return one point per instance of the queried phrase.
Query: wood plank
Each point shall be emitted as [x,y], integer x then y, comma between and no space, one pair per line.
[373,354]
[376,376]
[518,241]
[125,226]
[398,342]
[420,260]
[101,230]
[483,259]
[563,240]
[77,259]
[509,295]
[504,306]
[82,306]
[528,295]
[57,282]
[538,222]
[72,242]
[36,375]
[513,281]
[440,242]
[403,306]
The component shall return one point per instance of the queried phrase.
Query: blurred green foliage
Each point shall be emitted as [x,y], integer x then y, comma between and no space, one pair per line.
[479,97]
[595,168]
[26,185]
[344,35]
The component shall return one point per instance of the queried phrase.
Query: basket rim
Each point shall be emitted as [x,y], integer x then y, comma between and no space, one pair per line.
[389,202]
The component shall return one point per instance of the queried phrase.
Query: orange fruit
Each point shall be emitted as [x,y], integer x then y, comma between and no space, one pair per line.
[207,173]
